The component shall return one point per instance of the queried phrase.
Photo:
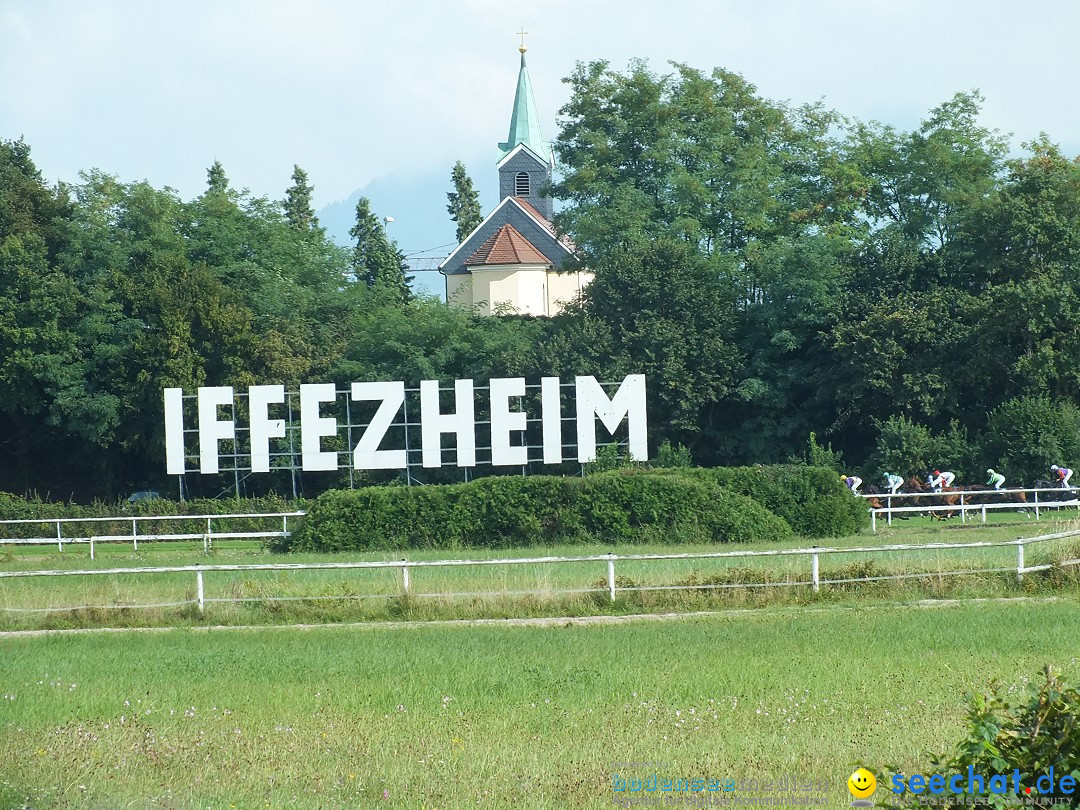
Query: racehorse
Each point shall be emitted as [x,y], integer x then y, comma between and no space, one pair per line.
[1059,493]
[948,496]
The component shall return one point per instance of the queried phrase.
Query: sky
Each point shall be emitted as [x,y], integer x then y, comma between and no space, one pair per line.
[380,98]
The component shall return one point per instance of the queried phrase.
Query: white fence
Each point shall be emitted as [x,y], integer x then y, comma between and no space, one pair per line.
[59,539]
[609,561]
[964,505]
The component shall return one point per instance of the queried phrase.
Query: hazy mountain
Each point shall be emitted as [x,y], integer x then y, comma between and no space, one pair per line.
[417,203]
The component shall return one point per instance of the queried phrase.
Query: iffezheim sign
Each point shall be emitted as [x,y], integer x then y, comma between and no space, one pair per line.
[507,425]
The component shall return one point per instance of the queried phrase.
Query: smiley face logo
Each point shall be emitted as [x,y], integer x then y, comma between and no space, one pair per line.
[861,783]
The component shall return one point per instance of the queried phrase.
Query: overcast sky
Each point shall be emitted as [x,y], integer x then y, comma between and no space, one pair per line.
[355,90]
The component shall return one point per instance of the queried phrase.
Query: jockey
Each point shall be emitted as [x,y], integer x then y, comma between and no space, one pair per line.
[1063,474]
[894,482]
[996,479]
[852,482]
[940,480]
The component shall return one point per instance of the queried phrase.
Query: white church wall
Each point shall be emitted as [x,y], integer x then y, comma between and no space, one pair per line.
[563,288]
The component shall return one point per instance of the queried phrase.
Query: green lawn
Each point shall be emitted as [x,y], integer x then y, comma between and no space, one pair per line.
[460,716]
[511,590]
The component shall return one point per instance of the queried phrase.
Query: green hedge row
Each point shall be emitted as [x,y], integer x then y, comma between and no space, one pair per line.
[726,504]
[626,506]
[12,507]
[813,500]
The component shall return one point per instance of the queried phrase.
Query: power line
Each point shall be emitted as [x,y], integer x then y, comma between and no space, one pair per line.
[428,250]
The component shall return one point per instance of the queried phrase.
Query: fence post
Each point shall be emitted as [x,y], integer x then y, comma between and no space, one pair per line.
[873,521]
[199,591]
[984,513]
[134,535]
[207,541]
[1036,504]
[1019,563]
[888,505]
[59,539]
[963,511]
[91,547]
[814,571]
[611,575]
[405,584]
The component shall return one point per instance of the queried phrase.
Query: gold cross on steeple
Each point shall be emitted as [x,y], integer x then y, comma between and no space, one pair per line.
[522,33]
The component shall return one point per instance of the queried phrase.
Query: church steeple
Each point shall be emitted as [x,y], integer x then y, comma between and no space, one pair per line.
[524,121]
[525,164]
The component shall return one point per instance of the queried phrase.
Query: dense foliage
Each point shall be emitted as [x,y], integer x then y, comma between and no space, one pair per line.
[621,506]
[1033,729]
[910,298]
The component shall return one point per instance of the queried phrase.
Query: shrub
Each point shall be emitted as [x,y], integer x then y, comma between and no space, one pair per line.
[1032,733]
[13,507]
[910,449]
[812,500]
[1024,436]
[620,506]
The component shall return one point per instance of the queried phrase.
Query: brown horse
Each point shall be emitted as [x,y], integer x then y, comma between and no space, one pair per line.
[948,496]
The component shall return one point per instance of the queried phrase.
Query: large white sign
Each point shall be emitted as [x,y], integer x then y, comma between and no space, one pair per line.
[507,424]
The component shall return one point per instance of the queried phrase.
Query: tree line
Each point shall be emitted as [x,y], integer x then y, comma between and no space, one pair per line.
[794,284]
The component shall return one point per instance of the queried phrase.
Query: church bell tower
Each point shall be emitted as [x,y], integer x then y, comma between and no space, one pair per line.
[526,162]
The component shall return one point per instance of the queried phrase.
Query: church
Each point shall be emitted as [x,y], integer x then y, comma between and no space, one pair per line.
[510,264]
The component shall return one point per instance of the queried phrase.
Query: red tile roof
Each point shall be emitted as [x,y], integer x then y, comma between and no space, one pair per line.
[507,246]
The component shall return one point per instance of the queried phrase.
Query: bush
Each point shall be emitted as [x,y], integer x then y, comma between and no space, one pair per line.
[1032,733]
[812,500]
[910,449]
[620,506]
[13,507]
[1024,436]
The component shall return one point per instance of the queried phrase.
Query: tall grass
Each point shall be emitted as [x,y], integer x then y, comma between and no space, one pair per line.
[453,717]
[242,597]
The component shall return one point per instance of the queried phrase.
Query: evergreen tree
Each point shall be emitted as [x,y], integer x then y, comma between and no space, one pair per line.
[464,205]
[216,181]
[376,259]
[298,210]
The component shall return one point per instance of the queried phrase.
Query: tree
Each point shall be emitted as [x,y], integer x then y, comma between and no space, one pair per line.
[697,156]
[464,202]
[376,260]
[298,210]
[1024,436]
[216,181]
[657,309]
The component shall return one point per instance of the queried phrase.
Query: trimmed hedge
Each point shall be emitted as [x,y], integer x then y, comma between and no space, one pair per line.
[813,500]
[503,511]
[12,507]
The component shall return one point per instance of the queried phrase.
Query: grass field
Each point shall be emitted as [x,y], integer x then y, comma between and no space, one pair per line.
[507,591]
[461,716]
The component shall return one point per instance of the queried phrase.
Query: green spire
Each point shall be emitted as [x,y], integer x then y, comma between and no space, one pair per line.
[524,122]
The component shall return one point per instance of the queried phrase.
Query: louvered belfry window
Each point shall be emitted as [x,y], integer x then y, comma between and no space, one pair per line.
[521,184]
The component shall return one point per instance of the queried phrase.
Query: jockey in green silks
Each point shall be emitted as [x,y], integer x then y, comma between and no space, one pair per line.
[894,482]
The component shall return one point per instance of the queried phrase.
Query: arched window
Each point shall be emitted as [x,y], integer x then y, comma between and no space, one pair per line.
[521,184]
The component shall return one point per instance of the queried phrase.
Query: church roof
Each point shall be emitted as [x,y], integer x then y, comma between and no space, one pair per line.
[507,246]
[524,120]
[514,211]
